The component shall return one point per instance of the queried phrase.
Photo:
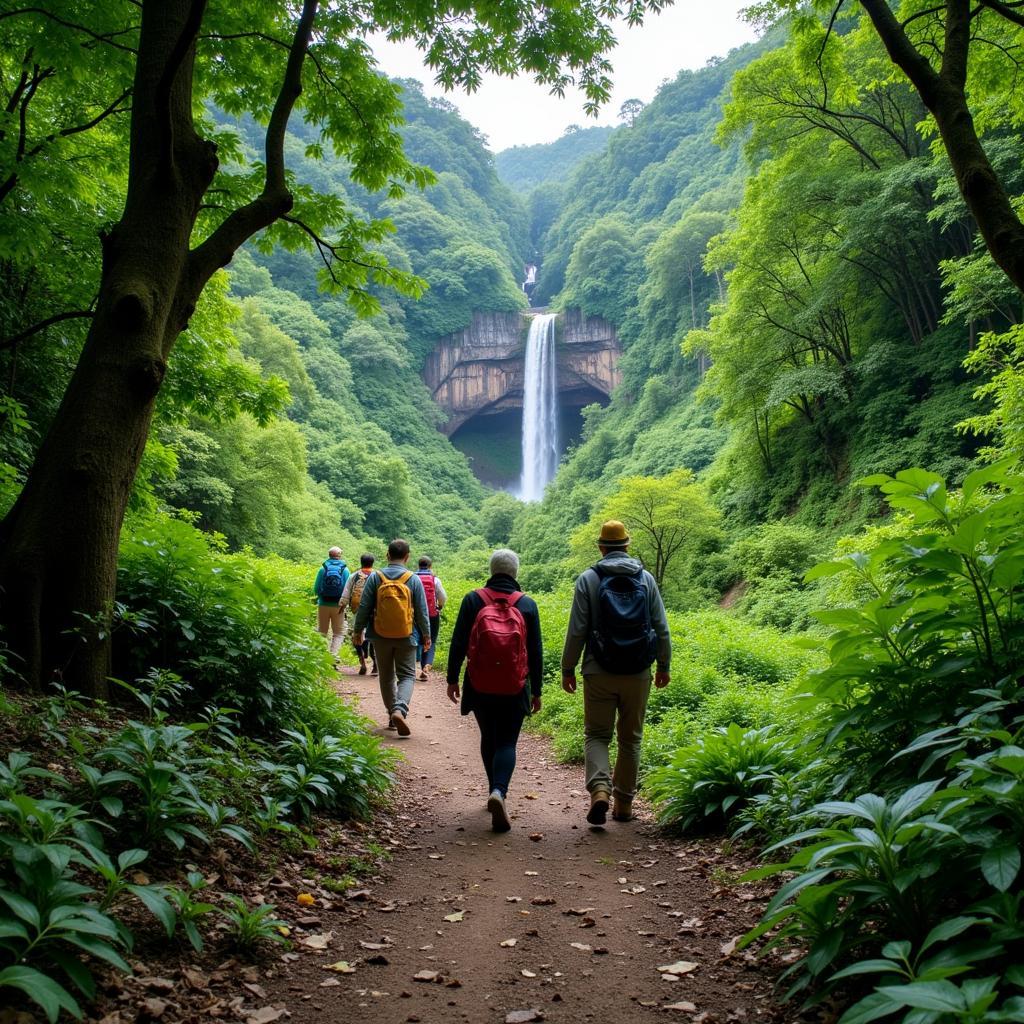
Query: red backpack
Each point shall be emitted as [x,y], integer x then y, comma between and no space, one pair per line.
[427,579]
[497,645]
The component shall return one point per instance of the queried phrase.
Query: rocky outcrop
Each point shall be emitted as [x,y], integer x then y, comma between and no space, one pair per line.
[479,371]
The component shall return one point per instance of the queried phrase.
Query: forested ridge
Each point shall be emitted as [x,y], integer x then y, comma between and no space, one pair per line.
[810,251]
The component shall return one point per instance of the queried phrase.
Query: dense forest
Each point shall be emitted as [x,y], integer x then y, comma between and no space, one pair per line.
[811,252]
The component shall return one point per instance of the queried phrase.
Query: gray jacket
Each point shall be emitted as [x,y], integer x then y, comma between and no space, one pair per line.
[584,600]
[368,602]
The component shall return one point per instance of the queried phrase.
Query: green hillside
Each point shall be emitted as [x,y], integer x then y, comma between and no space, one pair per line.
[524,168]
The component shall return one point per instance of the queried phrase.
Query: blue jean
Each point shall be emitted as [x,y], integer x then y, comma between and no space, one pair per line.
[423,659]
[500,719]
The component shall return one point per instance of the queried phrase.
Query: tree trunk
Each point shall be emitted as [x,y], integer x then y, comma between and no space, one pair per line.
[943,94]
[58,544]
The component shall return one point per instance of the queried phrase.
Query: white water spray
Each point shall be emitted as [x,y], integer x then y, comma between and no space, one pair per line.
[540,409]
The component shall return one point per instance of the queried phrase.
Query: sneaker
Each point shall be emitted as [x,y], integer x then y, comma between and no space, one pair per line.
[499,816]
[362,670]
[399,722]
[622,810]
[598,813]
[422,677]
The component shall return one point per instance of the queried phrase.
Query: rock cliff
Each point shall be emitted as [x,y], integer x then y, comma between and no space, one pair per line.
[479,371]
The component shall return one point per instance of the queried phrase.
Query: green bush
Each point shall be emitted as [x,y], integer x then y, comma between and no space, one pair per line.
[909,895]
[237,628]
[708,783]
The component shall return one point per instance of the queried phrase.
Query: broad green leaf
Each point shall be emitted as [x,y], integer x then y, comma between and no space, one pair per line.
[926,995]
[1001,865]
[43,991]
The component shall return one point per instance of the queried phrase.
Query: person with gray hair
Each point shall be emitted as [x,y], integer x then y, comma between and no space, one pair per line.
[328,587]
[498,634]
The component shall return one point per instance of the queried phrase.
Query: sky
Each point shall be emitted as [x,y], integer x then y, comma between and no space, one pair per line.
[513,112]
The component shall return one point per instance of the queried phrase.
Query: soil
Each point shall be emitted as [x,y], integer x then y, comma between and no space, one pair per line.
[555,917]
[425,914]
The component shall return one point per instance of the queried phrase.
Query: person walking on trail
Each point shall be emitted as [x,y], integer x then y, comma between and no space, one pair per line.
[498,633]
[618,623]
[436,599]
[328,587]
[392,608]
[350,599]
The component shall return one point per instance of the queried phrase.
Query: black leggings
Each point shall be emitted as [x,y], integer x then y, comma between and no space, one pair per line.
[500,720]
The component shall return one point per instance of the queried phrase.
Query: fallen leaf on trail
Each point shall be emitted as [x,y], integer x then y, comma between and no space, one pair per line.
[320,941]
[158,984]
[513,899]
[426,976]
[647,1002]
[728,948]
[154,1007]
[374,945]
[341,967]
[508,943]
[388,908]
[436,856]
[587,922]
[683,1007]
[195,979]
[633,890]
[536,837]
[543,901]
[529,796]
[453,983]
[523,1016]
[284,930]
[582,946]
[531,872]
[527,974]
[306,899]
[265,1015]
[457,916]
[679,967]
[578,911]
[358,894]
[257,990]
[330,983]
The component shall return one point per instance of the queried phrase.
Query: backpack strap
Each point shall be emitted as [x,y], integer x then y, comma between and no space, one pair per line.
[404,578]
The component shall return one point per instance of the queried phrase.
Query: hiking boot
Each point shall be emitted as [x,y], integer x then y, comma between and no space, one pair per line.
[598,813]
[399,722]
[499,816]
[362,670]
[422,675]
[622,809]
[374,672]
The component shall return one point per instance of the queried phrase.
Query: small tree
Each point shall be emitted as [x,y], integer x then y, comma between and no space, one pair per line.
[670,520]
[631,110]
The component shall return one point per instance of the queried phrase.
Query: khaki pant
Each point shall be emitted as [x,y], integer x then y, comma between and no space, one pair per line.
[396,662]
[605,698]
[329,617]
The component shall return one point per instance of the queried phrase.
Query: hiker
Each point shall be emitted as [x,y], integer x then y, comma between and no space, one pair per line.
[350,598]
[328,587]
[436,598]
[618,622]
[498,631]
[393,606]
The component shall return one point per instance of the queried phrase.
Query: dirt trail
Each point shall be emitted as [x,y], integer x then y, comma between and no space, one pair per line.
[593,912]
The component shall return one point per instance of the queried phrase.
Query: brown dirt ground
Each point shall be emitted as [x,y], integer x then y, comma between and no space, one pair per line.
[557,917]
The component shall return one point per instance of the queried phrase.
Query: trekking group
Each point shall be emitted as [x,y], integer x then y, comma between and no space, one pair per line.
[617,624]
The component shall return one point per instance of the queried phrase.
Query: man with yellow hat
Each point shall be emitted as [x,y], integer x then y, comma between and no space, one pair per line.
[618,624]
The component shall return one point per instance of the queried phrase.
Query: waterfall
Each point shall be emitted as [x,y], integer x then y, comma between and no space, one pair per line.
[540,409]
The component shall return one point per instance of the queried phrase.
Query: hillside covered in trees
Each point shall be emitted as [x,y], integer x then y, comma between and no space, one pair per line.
[210,371]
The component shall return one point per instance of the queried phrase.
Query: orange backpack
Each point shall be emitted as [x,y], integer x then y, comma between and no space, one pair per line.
[392,615]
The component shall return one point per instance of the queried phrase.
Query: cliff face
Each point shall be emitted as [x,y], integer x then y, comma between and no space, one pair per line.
[479,371]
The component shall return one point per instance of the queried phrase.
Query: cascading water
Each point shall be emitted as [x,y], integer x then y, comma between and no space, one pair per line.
[540,409]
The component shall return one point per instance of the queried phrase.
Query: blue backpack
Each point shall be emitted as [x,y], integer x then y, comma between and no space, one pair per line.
[622,640]
[332,583]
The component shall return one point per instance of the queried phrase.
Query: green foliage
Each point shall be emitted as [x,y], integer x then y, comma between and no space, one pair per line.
[527,168]
[251,927]
[709,782]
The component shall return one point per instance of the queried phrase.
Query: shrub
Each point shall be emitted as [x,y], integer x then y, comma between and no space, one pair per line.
[708,783]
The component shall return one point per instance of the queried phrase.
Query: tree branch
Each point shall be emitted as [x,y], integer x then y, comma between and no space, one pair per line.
[162,96]
[106,38]
[275,200]
[1006,10]
[17,339]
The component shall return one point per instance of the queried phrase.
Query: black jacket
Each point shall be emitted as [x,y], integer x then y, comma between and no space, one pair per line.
[459,645]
